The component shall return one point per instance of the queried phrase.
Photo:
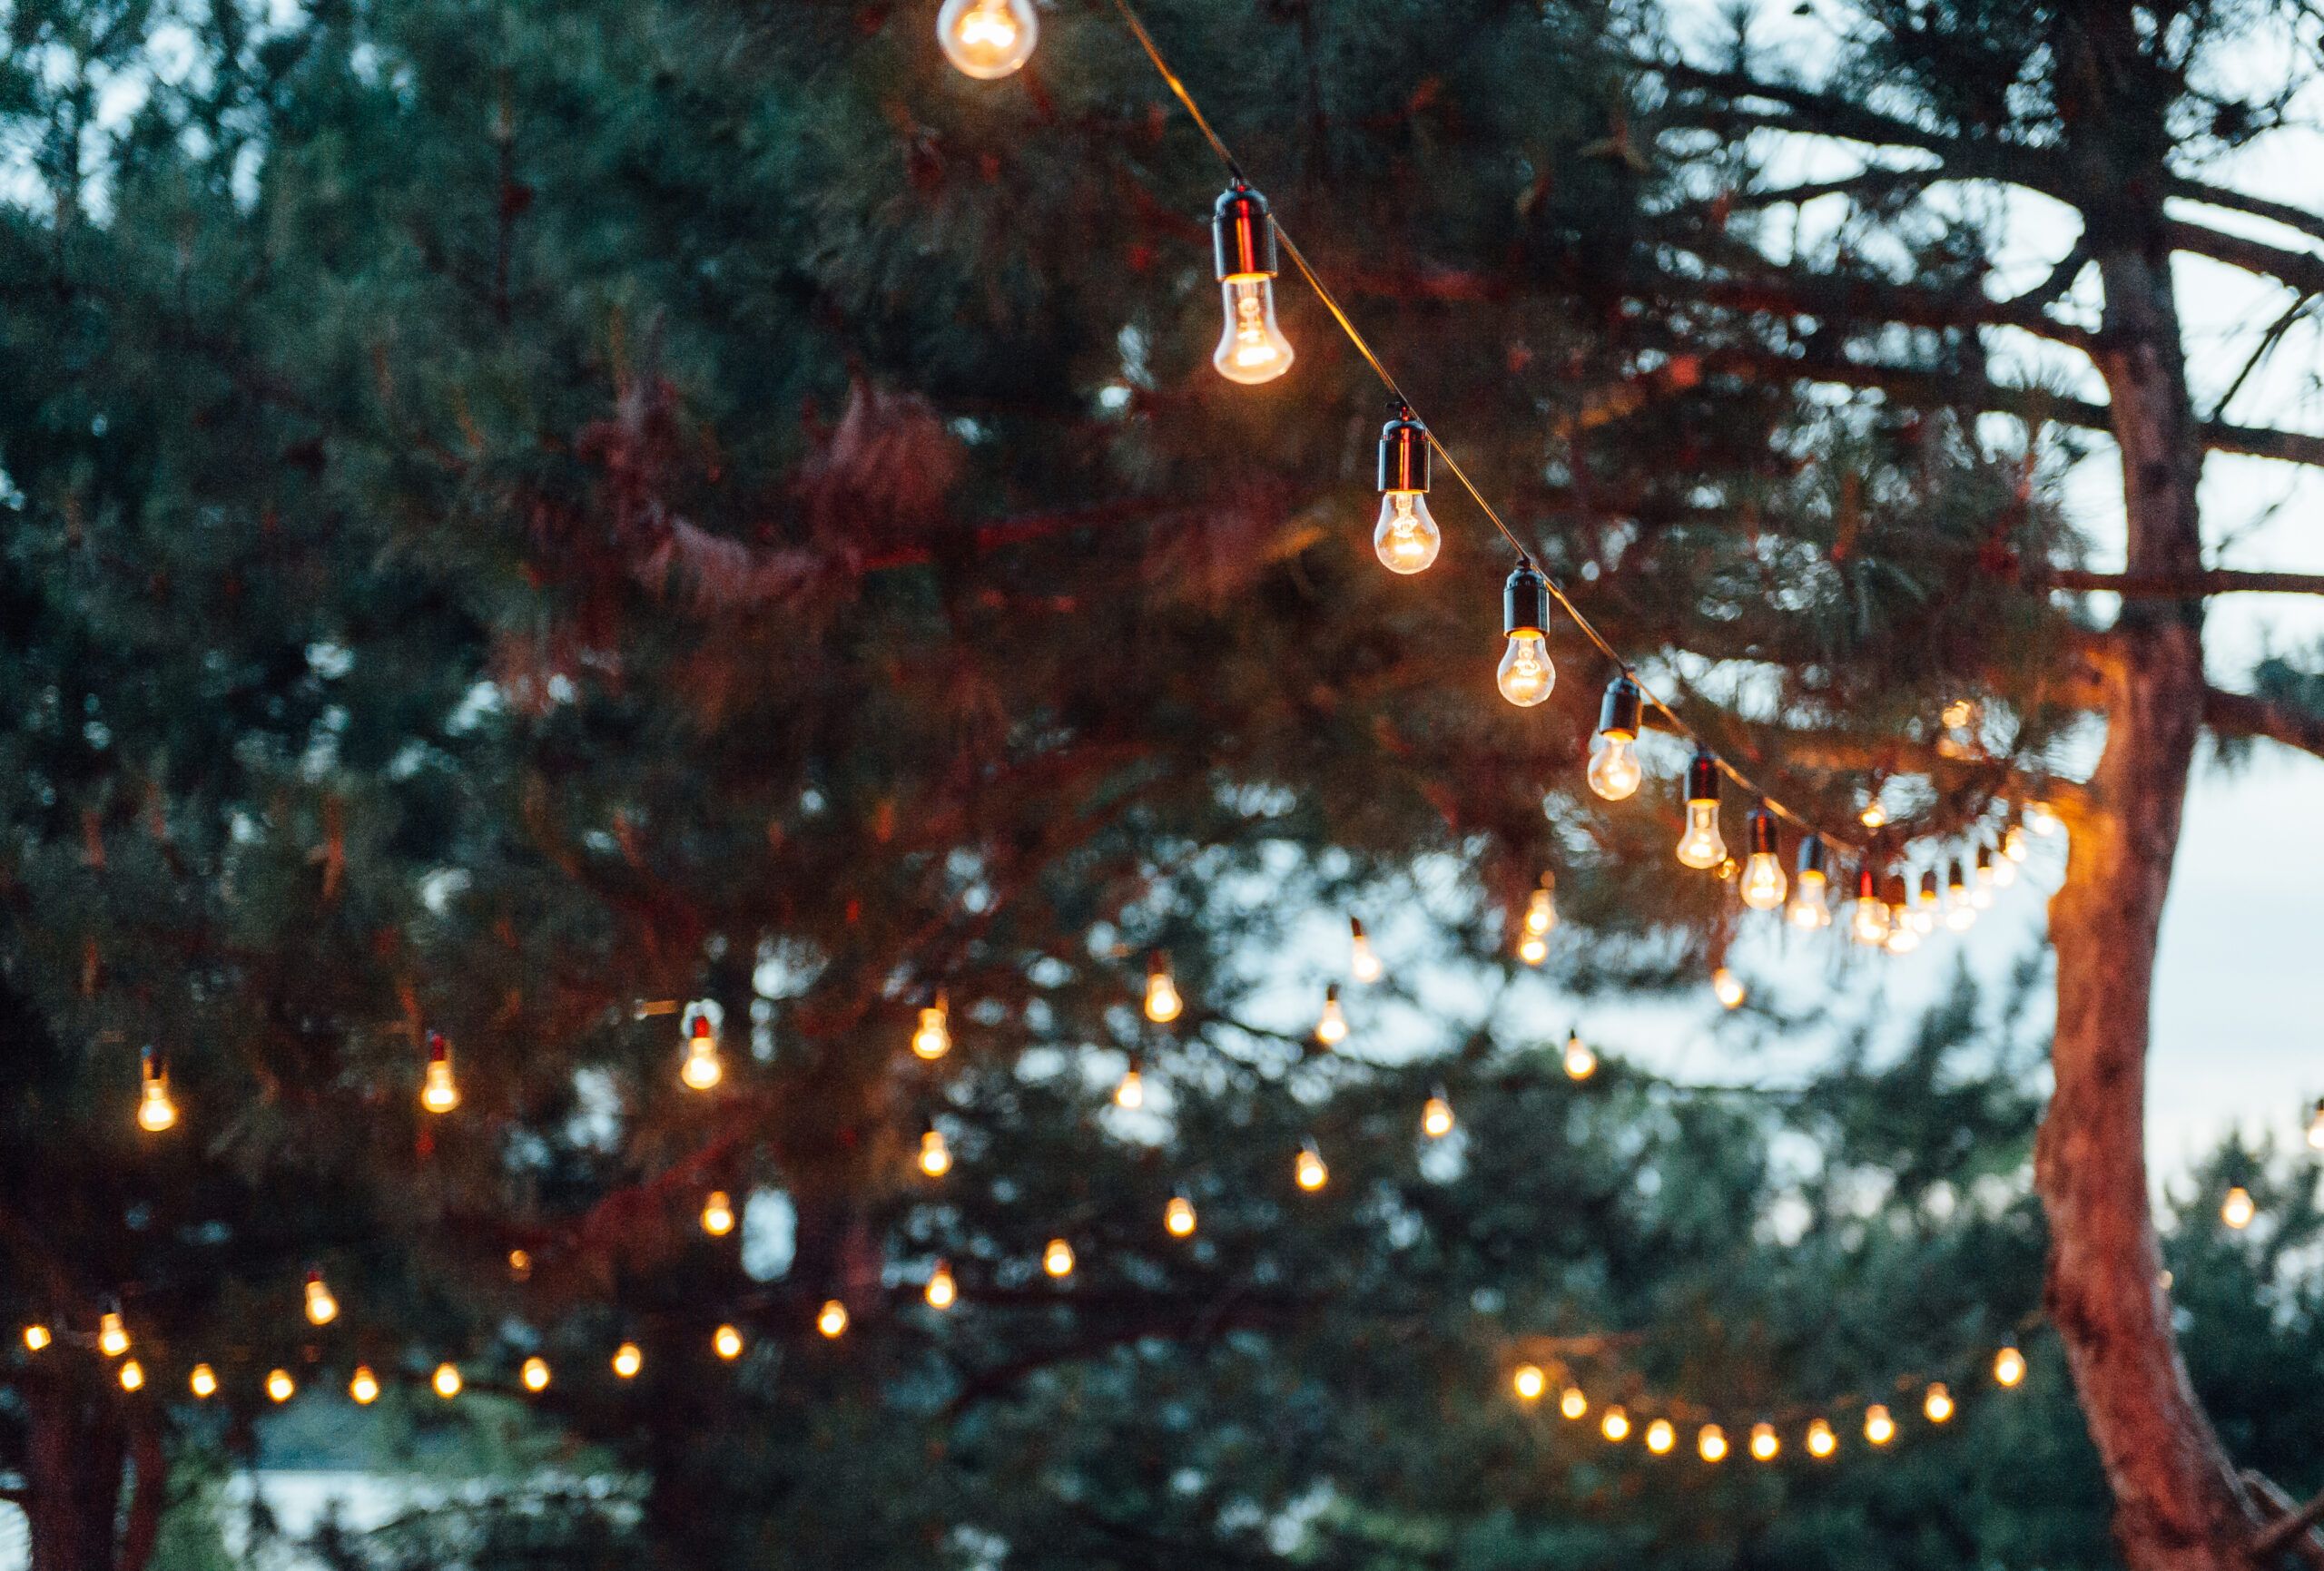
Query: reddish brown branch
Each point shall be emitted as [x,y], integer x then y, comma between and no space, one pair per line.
[2239,714]
[2177,585]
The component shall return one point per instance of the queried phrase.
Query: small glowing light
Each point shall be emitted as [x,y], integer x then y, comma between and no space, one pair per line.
[1764,884]
[1728,988]
[446,1382]
[942,1290]
[1178,1216]
[364,1386]
[1702,846]
[2005,873]
[281,1388]
[1529,1382]
[718,1215]
[1541,909]
[1902,937]
[1532,948]
[520,1264]
[1711,1443]
[112,1336]
[1765,1443]
[2316,1127]
[321,1307]
[1821,1441]
[535,1374]
[132,1375]
[831,1318]
[36,1337]
[727,1343]
[2009,1366]
[1436,1117]
[1130,1095]
[628,1361]
[1874,815]
[155,1111]
[1162,1001]
[1571,1403]
[1309,1169]
[1878,1426]
[438,1093]
[1938,1403]
[1406,538]
[1614,771]
[1615,1426]
[935,1157]
[2015,845]
[933,1038]
[1958,713]
[1581,1063]
[1362,962]
[2237,1208]
[1661,1437]
[702,1070]
[1057,1259]
[986,39]
[202,1382]
[2041,817]
[1331,1028]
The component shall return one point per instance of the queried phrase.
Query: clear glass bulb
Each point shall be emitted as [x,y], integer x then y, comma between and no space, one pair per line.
[1878,1426]
[1581,1063]
[2009,1366]
[935,1157]
[113,1335]
[986,39]
[1614,770]
[1702,846]
[1821,1441]
[1436,1118]
[1131,1093]
[1807,910]
[1616,1425]
[1764,883]
[942,1290]
[447,1381]
[1938,1405]
[203,1381]
[1868,924]
[364,1386]
[1178,1216]
[2237,1208]
[438,1093]
[1406,538]
[321,1307]
[1526,673]
[535,1374]
[1057,1258]
[727,1343]
[702,1070]
[36,1337]
[1162,1001]
[1310,1170]
[1362,964]
[1331,1029]
[933,1038]
[718,1215]
[1661,1437]
[1728,988]
[155,1111]
[1253,349]
[1540,912]
[1571,1403]
[831,1318]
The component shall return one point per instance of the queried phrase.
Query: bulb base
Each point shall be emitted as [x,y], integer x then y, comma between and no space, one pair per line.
[1242,235]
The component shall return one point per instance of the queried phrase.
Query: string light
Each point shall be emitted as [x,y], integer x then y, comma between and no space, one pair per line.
[2041,817]
[36,1337]
[942,1290]
[2237,1208]
[933,1038]
[1253,349]
[321,1307]
[1702,846]
[438,1094]
[1924,907]
[1808,911]
[831,1320]
[2014,845]
[1581,1063]
[1960,913]
[1406,538]
[1880,1429]
[1868,914]
[1614,771]
[2009,1366]
[1938,1404]
[1057,1259]
[986,39]
[1178,1217]
[113,1335]
[1766,1444]
[1763,884]
[2316,1127]
[520,1265]
[1162,1001]
[1363,963]
[1526,674]
[1572,1404]
[1904,937]
[1981,884]
[535,1375]
[1710,1444]
[1331,1028]
[155,1111]
[132,1375]
[718,1215]
[701,1071]
[446,1382]
[1728,988]
[1821,1441]
[1309,1170]
[1661,1437]
[1874,815]
[1436,1116]
[727,1343]
[935,1157]
[281,1388]
[1616,1425]
[1130,1095]
[627,1360]
[2005,870]
[1532,948]
[202,1382]
[1541,906]
[1529,1382]
[364,1386]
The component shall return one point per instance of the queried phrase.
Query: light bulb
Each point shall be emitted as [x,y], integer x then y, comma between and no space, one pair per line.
[1614,771]
[1362,962]
[535,1374]
[520,1265]
[1821,1441]
[1406,538]
[1532,948]
[628,1361]
[718,1215]
[364,1386]
[702,1070]
[1874,815]
[36,1337]
[2009,1366]
[1878,1426]
[1331,1028]
[727,1343]
[1571,1403]
[942,1290]
[2005,873]
[281,1388]
[321,1307]
[933,1036]
[1131,1093]
[1764,883]
[1253,349]
[133,1375]
[1868,913]
[112,1336]
[2041,817]
[1615,1426]
[1661,1437]
[2237,1208]
[1436,1117]
[1728,988]
[1057,1259]
[155,1111]
[438,1091]
[1178,1217]
[1808,911]
[831,1318]
[1702,846]
[1309,1169]
[1528,1382]
[1526,674]
[1581,1063]
[1541,909]
[446,1382]
[935,1157]
[1959,912]
[202,1382]
[986,39]
[2316,1127]
[1162,1001]
[1710,1444]
[1904,937]
[2015,845]
[1765,1443]
[1938,1403]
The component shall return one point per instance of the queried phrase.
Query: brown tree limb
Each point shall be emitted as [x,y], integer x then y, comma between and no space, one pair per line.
[2176,585]
[2282,213]
[2303,270]
[2239,714]
[2292,1531]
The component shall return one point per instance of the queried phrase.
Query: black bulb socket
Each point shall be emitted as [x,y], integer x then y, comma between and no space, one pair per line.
[1702,778]
[1403,453]
[1618,711]
[1811,857]
[1242,235]
[1525,601]
[1760,825]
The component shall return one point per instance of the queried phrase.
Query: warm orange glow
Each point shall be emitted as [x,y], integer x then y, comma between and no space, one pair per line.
[447,1381]
[628,1361]
[364,1386]
[831,1320]
[718,1215]
[727,1343]
[281,1388]
[1529,1382]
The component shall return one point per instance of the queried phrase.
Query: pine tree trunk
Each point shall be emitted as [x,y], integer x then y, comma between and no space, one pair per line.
[2179,1503]
[75,1450]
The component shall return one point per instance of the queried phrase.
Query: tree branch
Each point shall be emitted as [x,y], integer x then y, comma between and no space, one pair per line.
[2282,212]
[2290,1530]
[2175,586]
[2239,714]
[2303,270]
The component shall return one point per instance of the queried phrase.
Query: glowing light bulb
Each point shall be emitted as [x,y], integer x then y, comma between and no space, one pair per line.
[1868,913]
[628,1361]
[1821,1441]
[1960,911]
[1925,906]
[1808,911]
[702,1071]
[1874,815]
[438,1091]
[1526,674]
[1362,962]
[1178,1217]
[1406,538]
[2009,1366]
[1532,948]
[1766,1444]
[942,1290]
[1615,1426]
[1436,1117]
[1938,1403]
[2014,846]
[1253,349]
[112,1336]
[1710,1444]
[36,1337]
[1331,1028]
[520,1265]
[1309,1170]
[1902,937]
[727,1343]
[718,1215]
[1983,880]
[1057,1259]
[1541,909]
[364,1386]
[1728,988]
[1702,846]
[1581,1063]
[1529,1382]
[933,1036]
[1661,1437]
[1880,1429]
[935,1157]
[1131,1093]
[1764,883]
[202,1382]
[2316,1127]
[1571,1403]
[155,1111]
[2237,1208]
[2005,873]
[446,1382]
[986,39]
[321,1307]
[1162,1001]
[2041,817]
[281,1388]
[535,1375]
[1614,771]
[133,1375]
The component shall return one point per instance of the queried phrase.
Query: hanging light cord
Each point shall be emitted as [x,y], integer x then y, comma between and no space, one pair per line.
[1587,629]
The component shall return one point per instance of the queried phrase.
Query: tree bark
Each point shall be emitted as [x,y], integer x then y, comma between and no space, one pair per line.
[76,1452]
